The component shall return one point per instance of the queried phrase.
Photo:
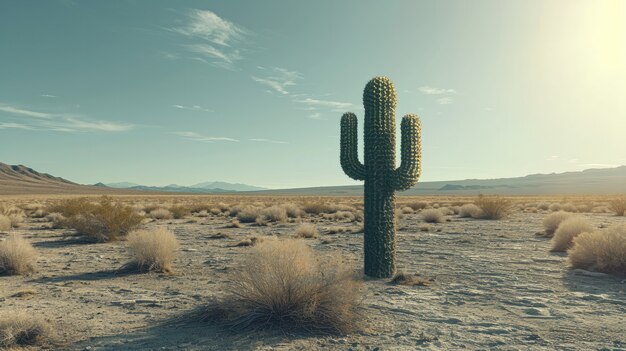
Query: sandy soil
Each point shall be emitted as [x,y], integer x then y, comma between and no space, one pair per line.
[496,287]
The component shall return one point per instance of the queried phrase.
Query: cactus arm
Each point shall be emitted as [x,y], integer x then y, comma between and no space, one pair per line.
[349,142]
[405,176]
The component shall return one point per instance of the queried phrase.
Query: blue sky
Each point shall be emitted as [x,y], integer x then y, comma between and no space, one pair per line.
[159,92]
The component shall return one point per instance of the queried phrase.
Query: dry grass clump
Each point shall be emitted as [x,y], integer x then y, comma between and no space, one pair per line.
[275,214]
[13,213]
[493,207]
[293,210]
[432,216]
[555,207]
[16,256]
[317,208]
[19,329]
[160,213]
[307,230]
[248,214]
[180,211]
[469,211]
[601,250]
[104,220]
[337,230]
[153,250]
[544,206]
[5,223]
[234,224]
[416,206]
[552,221]
[282,285]
[567,231]
[406,210]
[618,206]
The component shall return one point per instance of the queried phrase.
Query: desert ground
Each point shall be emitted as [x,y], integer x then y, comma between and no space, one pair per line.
[484,284]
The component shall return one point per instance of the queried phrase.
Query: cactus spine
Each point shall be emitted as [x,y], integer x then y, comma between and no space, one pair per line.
[379,171]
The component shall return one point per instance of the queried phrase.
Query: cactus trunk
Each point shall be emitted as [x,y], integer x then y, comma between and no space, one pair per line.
[379,171]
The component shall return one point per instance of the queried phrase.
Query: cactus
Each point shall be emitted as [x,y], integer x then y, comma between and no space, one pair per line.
[379,171]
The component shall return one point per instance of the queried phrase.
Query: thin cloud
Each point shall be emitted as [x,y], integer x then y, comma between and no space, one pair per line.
[317,116]
[270,141]
[202,138]
[218,38]
[325,103]
[193,108]
[60,122]
[445,100]
[4,125]
[279,80]
[48,95]
[428,90]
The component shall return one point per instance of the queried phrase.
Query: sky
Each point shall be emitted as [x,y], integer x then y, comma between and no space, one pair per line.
[160,92]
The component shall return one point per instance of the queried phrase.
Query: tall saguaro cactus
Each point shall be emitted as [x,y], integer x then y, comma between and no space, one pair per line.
[379,171]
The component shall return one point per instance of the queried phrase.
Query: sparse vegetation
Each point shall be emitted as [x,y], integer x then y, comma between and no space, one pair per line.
[5,223]
[618,206]
[493,207]
[282,285]
[567,231]
[469,211]
[432,216]
[275,214]
[307,230]
[161,213]
[17,256]
[153,250]
[13,213]
[601,250]
[19,329]
[552,221]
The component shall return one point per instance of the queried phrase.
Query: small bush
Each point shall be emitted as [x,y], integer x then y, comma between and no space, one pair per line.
[432,216]
[469,211]
[248,215]
[567,231]
[600,250]
[493,207]
[293,210]
[283,285]
[307,230]
[180,211]
[161,213]
[5,223]
[552,221]
[406,210]
[618,206]
[416,206]
[555,207]
[317,208]
[153,250]
[101,221]
[14,214]
[275,214]
[544,206]
[16,256]
[19,329]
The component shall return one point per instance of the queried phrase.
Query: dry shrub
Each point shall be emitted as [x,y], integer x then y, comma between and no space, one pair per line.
[153,250]
[180,211]
[235,224]
[307,230]
[432,216]
[469,211]
[552,221]
[406,210]
[569,207]
[283,285]
[13,213]
[544,206]
[275,214]
[20,329]
[618,206]
[337,230]
[5,222]
[248,214]
[293,210]
[416,206]
[424,227]
[161,213]
[555,207]
[101,221]
[345,215]
[317,208]
[493,207]
[601,250]
[567,231]
[16,256]
[262,221]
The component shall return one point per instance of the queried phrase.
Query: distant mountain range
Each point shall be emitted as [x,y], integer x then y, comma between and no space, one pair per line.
[15,180]
[204,188]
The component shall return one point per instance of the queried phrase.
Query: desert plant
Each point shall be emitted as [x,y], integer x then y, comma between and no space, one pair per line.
[493,207]
[13,213]
[601,250]
[317,208]
[552,221]
[16,256]
[161,213]
[618,206]
[293,210]
[104,220]
[275,213]
[19,329]
[567,231]
[5,222]
[248,215]
[307,230]
[153,250]
[469,211]
[283,285]
[379,171]
[555,207]
[180,211]
[432,216]
[419,205]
